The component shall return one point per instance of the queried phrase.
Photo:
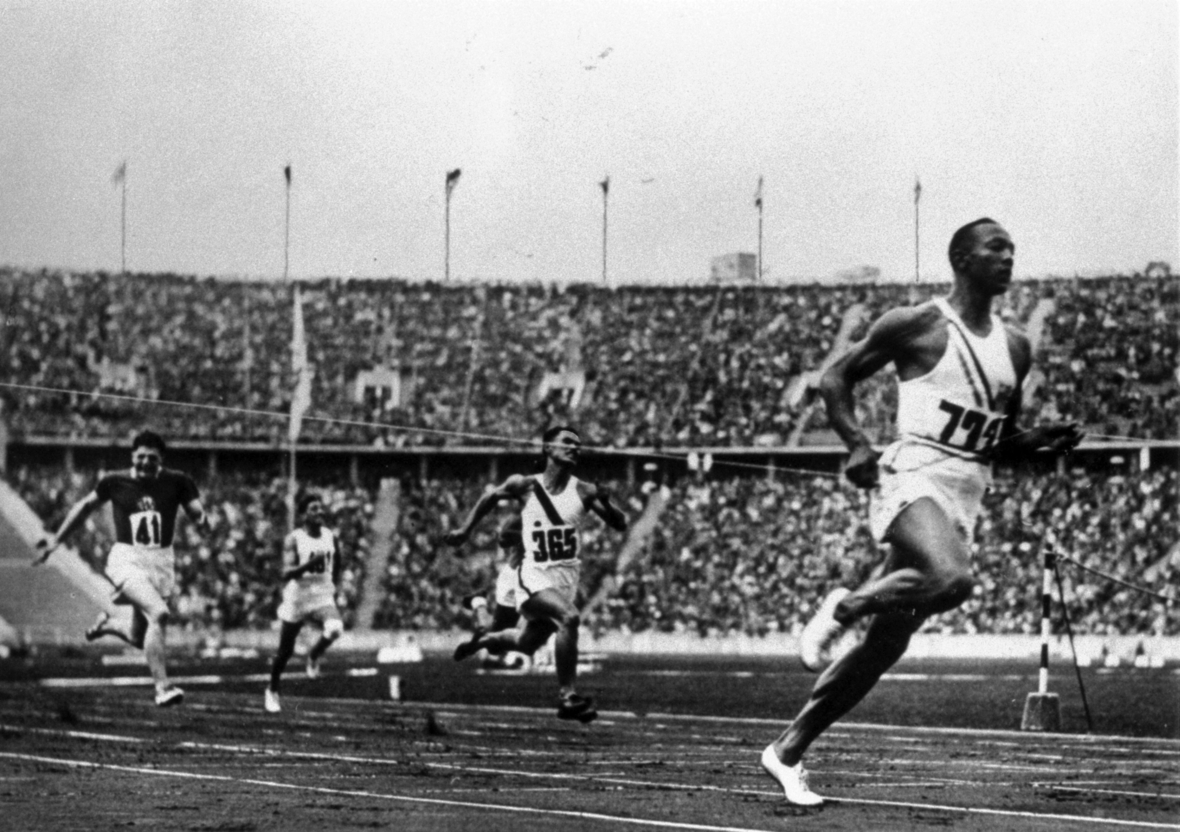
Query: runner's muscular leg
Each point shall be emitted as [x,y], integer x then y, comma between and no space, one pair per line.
[929,568]
[847,681]
[546,611]
[148,625]
[565,616]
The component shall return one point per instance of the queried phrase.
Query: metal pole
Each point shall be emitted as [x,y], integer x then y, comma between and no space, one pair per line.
[604,203]
[447,240]
[1046,622]
[759,240]
[287,233]
[917,249]
[123,247]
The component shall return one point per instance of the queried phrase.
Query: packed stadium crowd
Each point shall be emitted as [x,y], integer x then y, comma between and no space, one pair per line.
[729,554]
[690,366]
[466,364]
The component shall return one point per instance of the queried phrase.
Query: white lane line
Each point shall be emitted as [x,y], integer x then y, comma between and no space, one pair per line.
[1092,742]
[646,784]
[1125,792]
[146,681]
[434,801]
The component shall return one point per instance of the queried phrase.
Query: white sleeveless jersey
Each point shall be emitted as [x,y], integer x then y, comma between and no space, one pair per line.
[959,406]
[306,548]
[550,523]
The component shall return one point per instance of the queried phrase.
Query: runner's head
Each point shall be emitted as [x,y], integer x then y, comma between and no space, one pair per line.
[982,252]
[310,509]
[561,445]
[147,454]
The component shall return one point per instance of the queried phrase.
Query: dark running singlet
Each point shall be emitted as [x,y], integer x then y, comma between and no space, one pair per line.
[144,510]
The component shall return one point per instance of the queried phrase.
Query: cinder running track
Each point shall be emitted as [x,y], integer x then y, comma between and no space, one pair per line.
[94,756]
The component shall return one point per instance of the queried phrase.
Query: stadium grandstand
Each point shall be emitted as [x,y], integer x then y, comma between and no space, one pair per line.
[702,396]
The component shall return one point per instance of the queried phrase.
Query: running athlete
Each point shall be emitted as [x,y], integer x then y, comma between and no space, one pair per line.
[960,371]
[555,504]
[144,503]
[504,615]
[311,573]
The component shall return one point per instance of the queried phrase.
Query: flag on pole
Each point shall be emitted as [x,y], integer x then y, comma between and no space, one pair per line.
[605,185]
[120,173]
[917,190]
[452,180]
[287,174]
[758,194]
[301,400]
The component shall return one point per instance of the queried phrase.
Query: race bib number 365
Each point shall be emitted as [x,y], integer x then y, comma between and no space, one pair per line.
[556,544]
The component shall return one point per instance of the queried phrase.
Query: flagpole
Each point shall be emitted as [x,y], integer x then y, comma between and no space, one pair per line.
[758,205]
[451,181]
[759,241]
[917,248]
[291,464]
[605,185]
[123,226]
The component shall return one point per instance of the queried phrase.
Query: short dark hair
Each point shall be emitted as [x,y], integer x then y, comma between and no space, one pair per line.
[149,439]
[961,239]
[306,500]
[557,430]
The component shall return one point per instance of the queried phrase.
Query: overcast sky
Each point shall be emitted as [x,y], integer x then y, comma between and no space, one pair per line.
[1059,119]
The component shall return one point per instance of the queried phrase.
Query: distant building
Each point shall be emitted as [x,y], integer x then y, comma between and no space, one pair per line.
[735,268]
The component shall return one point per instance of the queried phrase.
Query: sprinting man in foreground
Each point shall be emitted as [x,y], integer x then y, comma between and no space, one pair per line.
[311,573]
[960,371]
[141,565]
[554,507]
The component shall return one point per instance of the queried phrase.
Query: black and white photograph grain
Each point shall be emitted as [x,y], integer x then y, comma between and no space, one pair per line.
[595,415]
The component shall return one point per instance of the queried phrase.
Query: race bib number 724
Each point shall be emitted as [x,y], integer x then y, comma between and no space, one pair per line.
[971,430]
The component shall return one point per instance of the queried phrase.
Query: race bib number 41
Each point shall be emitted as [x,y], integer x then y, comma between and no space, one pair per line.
[146,528]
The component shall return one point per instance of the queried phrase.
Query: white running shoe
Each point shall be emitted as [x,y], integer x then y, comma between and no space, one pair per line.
[313,668]
[169,696]
[793,779]
[271,702]
[822,633]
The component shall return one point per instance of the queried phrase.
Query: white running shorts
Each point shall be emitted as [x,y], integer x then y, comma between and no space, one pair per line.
[156,566]
[562,576]
[911,471]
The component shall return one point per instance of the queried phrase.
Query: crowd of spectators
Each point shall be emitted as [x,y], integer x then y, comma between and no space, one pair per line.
[730,553]
[685,366]
[97,355]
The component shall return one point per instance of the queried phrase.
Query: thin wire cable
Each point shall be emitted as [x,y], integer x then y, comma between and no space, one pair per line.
[605,450]
[1069,631]
[1169,599]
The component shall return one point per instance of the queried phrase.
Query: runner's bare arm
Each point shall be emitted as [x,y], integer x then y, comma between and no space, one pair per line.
[74,518]
[292,568]
[1053,437]
[597,499]
[884,344]
[196,512]
[512,488]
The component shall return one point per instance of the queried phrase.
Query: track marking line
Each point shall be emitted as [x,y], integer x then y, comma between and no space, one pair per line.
[1089,741]
[274,784]
[147,681]
[967,810]
[1125,792]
